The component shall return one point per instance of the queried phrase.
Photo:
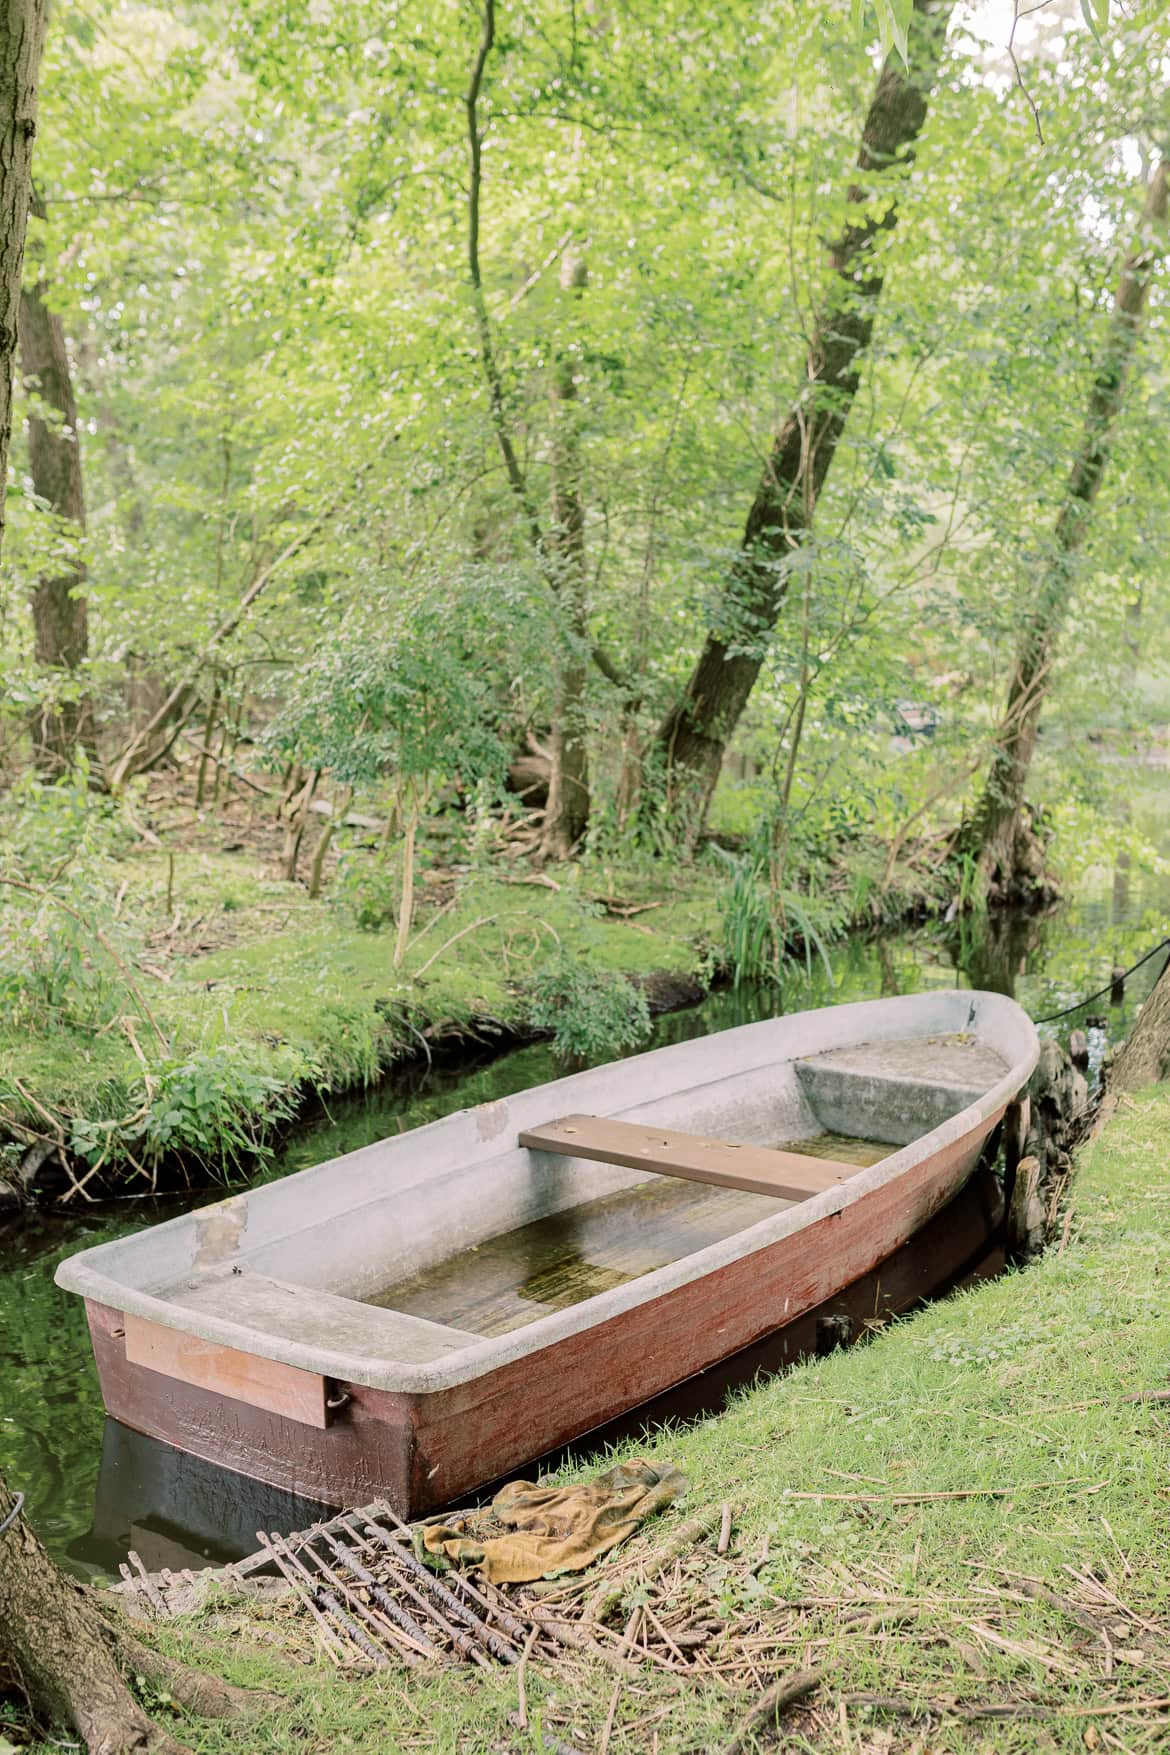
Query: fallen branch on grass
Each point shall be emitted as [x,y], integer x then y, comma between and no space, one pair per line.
[998,1709]
[684,1538]
[775,1700]
[1080,1484]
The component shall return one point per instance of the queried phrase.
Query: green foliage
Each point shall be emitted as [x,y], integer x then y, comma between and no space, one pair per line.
[412,686]
[54,973]
[355,1046]
[215,1109]
[767,925]
[410,692]
[64,951]
[282,391]
[1096,15]
[590,1013]
[255,236]
[52,829]
[893,21]
[370,890]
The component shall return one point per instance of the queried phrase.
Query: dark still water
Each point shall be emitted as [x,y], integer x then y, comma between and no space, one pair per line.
[173,1509]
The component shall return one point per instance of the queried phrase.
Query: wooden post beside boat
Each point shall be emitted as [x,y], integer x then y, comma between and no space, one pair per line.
[1016,1122]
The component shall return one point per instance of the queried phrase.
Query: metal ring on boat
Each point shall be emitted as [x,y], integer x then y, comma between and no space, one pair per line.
[340,1400]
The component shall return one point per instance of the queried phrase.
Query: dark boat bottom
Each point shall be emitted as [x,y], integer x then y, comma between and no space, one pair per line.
[176,1510]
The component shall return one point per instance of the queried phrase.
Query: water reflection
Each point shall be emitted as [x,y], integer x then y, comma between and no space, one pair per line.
[996,953]
[175,1510]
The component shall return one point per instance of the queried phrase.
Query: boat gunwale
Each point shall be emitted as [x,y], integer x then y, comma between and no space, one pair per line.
[484,1354]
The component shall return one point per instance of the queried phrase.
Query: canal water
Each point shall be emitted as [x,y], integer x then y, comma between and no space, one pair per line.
[52,1429]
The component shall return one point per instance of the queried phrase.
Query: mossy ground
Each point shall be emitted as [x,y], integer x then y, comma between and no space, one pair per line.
[1019,1387]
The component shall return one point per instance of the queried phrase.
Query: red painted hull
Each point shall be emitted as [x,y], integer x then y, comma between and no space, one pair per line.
[424,1451]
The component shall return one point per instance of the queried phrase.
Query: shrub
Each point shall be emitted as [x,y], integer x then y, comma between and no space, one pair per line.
[591,1014]
[214,1107]
[410,695]
[370,889]
[767,924]
[65,957]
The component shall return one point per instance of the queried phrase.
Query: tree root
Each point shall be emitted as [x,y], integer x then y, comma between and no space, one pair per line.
[764,1717]
[193,1690]
[110,1720]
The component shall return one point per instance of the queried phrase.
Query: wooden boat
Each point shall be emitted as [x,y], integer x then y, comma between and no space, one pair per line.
[425,1315]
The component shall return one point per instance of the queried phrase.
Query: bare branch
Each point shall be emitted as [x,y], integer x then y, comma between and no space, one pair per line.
[491,370]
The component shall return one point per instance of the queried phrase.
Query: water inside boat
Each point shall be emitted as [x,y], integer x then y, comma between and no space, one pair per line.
[506,1282]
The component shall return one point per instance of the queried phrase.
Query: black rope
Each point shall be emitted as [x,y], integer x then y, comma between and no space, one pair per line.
[17,1507]
[1102,991]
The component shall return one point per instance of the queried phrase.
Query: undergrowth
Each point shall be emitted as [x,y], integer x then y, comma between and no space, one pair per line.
[130,1038]
[587,1012]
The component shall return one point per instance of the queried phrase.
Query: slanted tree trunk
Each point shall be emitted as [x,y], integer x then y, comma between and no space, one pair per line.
[60,622]
[690,741]
[567,812]
[22,35]
[1144,1057]
[995,834]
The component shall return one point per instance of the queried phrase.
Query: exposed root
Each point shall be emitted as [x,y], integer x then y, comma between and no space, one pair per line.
[196,1692]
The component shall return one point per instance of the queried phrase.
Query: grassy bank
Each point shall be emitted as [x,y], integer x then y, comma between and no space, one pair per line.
[249,996]
[965,1517]
[170,996]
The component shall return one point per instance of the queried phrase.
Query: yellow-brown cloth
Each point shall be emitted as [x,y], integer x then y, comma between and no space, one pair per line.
[558,1529]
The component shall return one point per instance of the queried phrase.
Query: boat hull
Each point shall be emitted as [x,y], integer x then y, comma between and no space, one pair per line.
[917,1232]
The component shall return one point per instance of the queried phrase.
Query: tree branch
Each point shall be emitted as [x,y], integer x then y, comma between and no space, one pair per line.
[491,370]
[517,480]
[182,700]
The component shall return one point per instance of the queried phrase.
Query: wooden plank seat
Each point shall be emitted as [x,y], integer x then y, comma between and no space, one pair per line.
[755,1169]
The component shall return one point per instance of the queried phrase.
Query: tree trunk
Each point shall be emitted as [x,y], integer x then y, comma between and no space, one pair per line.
[295,812]
[690,741]
[338,815]
[409,808]
[22,35]
[206,754]
[994,836]
[1144,1057]
[566,815]
[60,620]
[564,554]
[60,1652]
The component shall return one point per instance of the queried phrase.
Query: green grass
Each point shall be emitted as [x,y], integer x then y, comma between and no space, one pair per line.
[1018,1382]
[312,1001]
